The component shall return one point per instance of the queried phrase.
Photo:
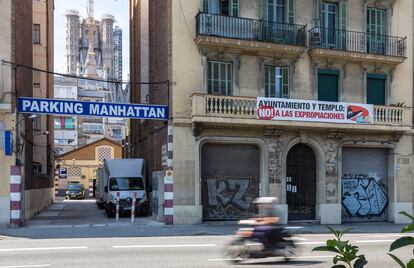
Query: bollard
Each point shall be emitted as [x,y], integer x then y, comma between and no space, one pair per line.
[117,207]
[134,198]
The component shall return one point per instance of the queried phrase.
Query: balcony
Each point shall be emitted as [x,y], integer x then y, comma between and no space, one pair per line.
[241,111]
[245,35]
[325,43]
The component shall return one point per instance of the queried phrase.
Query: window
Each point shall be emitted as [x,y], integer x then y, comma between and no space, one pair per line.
[328,85]
[126,184]
[222,7]
[36,33]
[276,11]
[93,128]
[64,122]
[280,11]
[376,89]
[220,78]
[277,82]
[329,21]
[65,142]
[376,30]
[103,152]
[37,167]
[116,133]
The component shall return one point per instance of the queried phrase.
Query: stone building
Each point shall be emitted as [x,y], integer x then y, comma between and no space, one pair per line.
[81,165]
[220,56]
[26,150]
[107,55]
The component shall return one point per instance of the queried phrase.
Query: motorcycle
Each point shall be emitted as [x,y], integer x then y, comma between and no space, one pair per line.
[260,237]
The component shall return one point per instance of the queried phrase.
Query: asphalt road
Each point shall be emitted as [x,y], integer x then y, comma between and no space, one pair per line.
[173,251]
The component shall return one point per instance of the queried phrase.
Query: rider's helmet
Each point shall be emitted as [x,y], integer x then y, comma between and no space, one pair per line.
[266,206]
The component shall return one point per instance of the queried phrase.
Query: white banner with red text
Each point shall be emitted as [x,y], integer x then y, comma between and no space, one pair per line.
[314,111]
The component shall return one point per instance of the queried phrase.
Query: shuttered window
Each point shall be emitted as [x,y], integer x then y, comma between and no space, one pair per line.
[220,79]
[277,82]
[328,85]
[36,33]
[333,19]
[281,11]
[376,89]
[376,21]
[342,23]
[222,7]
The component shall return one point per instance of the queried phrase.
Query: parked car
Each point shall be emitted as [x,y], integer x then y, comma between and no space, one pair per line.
[75,191]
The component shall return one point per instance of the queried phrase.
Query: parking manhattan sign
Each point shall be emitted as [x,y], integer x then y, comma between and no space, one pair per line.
[84,108]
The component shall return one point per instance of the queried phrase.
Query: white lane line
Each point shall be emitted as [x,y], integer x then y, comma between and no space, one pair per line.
[310,243]
[40,249]
[356,241]
[26,266]
[165,246]
[373,241]
[296,238]
[297,257]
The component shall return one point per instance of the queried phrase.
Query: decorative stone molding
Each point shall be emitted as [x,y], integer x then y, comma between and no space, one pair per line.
[197,130]
[397,136]
[272,132]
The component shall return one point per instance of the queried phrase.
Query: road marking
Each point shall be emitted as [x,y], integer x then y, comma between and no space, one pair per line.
[310,243]
[39,249]
[296,257]
[27,266]
[165,246]
[373,241]
[296,238]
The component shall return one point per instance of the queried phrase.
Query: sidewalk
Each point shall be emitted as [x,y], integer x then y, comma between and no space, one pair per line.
[82,219]
[146,227]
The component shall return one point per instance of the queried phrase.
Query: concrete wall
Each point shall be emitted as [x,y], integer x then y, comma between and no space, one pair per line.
[36,200]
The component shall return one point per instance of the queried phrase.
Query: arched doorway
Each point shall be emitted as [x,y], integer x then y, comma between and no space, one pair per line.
[301,183]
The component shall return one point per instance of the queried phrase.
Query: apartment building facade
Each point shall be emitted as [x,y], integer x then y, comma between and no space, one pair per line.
[223,56]
[26,149]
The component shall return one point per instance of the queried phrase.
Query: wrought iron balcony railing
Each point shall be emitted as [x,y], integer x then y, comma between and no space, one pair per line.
[351,41]
[250,29]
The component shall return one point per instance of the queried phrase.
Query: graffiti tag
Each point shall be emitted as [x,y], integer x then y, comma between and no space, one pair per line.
[229,197]
[229,192]
[363,196]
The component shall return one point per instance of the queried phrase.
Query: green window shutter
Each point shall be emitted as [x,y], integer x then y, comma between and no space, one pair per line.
[376,89]
[220,78]
[265,12]
[277,82]
[328,85]
[290,11]
[204,5]
[343,14]
[234,8]
[318,13]
[342,24]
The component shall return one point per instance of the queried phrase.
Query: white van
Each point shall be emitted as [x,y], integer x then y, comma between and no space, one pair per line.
[126,177]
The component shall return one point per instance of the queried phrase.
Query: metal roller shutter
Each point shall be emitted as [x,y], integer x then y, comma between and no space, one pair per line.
[364,184]
[229,179]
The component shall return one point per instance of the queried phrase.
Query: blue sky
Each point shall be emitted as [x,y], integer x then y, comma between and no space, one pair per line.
[118,8]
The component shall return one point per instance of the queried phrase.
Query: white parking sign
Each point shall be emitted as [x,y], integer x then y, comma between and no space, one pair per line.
[63,173]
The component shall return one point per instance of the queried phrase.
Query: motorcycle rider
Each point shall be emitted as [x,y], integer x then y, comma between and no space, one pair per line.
[266,222]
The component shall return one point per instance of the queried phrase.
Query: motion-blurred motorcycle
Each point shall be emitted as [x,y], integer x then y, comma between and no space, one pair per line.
[261,237]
